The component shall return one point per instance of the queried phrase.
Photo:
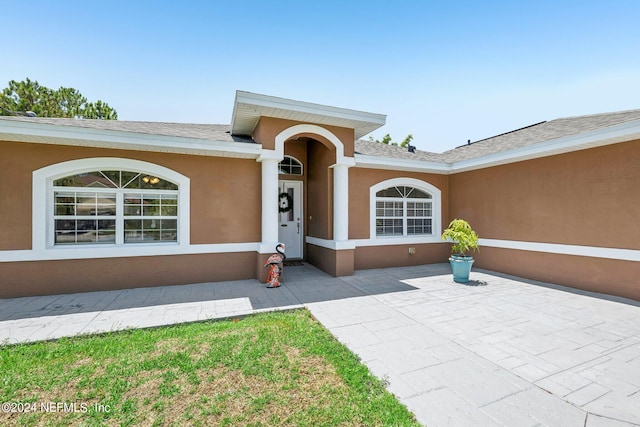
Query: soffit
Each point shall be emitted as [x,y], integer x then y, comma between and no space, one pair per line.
[249,107]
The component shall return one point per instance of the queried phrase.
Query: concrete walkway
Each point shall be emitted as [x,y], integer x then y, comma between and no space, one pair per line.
[500,351]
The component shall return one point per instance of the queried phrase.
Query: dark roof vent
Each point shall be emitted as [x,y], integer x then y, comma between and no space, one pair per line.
[411,148]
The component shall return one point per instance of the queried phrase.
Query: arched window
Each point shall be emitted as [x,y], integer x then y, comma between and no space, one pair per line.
[107,206]
[109,202]
[290,166]
[403,211]
[404,207]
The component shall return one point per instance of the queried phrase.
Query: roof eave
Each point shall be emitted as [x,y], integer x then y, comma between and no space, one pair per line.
[44,133]
[623,132]
[387,163]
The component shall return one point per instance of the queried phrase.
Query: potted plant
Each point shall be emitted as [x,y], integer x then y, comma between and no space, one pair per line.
[464,239]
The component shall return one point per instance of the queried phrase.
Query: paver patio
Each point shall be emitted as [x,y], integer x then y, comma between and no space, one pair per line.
[500,351]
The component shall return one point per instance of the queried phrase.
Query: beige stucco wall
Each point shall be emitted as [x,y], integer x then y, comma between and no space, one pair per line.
[225,192]
[268,128]
[360,180]
[586,198]
[29,278]
[589,197]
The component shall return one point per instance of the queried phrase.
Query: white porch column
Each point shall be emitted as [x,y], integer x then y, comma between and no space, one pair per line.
[269,160]
[341,200]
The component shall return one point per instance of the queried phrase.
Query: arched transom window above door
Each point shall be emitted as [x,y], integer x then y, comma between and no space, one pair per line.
[290,166]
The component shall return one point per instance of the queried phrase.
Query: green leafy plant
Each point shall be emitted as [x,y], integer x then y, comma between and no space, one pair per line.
[462,235]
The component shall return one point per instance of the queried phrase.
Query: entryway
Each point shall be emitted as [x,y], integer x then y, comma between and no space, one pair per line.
[290,223]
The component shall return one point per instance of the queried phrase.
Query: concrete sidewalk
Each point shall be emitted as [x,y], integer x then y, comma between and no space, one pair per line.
[500,351]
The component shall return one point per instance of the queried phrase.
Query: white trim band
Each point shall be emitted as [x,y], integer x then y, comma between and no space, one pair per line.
[128,251]
[390,241]
[331,244]
[555,248]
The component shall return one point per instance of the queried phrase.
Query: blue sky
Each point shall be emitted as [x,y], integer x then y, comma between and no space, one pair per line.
[443,71]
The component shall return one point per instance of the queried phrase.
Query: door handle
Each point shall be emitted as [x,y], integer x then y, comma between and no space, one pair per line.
[298,224]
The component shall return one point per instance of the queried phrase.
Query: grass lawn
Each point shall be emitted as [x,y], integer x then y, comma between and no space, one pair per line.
[264,370]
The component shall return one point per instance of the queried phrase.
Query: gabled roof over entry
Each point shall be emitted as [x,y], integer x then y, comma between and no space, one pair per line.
[249,107]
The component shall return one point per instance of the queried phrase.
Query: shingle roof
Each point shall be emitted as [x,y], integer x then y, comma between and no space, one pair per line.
[185,130]
[370,148]
[538,133]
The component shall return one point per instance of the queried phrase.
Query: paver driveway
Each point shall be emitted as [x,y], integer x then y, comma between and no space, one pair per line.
[500,351]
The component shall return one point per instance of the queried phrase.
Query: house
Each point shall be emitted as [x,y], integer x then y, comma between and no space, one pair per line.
[96,205]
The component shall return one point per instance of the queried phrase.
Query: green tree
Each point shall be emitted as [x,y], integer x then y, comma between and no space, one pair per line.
[28,95]
[387,140]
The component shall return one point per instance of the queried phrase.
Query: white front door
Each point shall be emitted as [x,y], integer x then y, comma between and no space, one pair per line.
[290,222]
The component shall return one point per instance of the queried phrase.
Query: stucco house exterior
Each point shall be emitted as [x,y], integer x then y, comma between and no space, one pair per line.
[96,205]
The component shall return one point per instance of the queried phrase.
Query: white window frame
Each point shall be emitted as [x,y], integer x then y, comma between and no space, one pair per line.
[43,202]
[297,161]
[436,206]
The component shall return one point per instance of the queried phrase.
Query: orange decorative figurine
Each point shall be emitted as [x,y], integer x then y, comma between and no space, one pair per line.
[275,264]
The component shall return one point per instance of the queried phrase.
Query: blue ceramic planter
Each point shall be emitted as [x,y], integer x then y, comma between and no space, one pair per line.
[461,267]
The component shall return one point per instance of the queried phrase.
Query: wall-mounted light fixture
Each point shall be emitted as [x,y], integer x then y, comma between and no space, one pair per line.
[151,180]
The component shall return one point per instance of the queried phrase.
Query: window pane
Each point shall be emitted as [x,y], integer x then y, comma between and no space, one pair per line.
[151,236]
[418,209]
[132,204]
[106,231]
[149,182]
[388,227]
[106,205]
[151,205]
[65,231]
[132,230]
[419,226]
[418,194]
[65,204]
[389,192]
[86,179]
[113,176]
[169,211]
[389,209]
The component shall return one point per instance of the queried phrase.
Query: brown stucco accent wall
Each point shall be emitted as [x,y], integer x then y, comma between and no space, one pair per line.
[225,192]
[100,274]
[609,276]
[589,198]
[360,180]
[268,128]
[319,191]
[367,257]
[336,263]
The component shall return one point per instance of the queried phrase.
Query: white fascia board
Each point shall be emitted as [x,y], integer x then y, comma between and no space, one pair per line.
[68,135]
[619,133]
[611,135]
[308,107]
[375,162]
